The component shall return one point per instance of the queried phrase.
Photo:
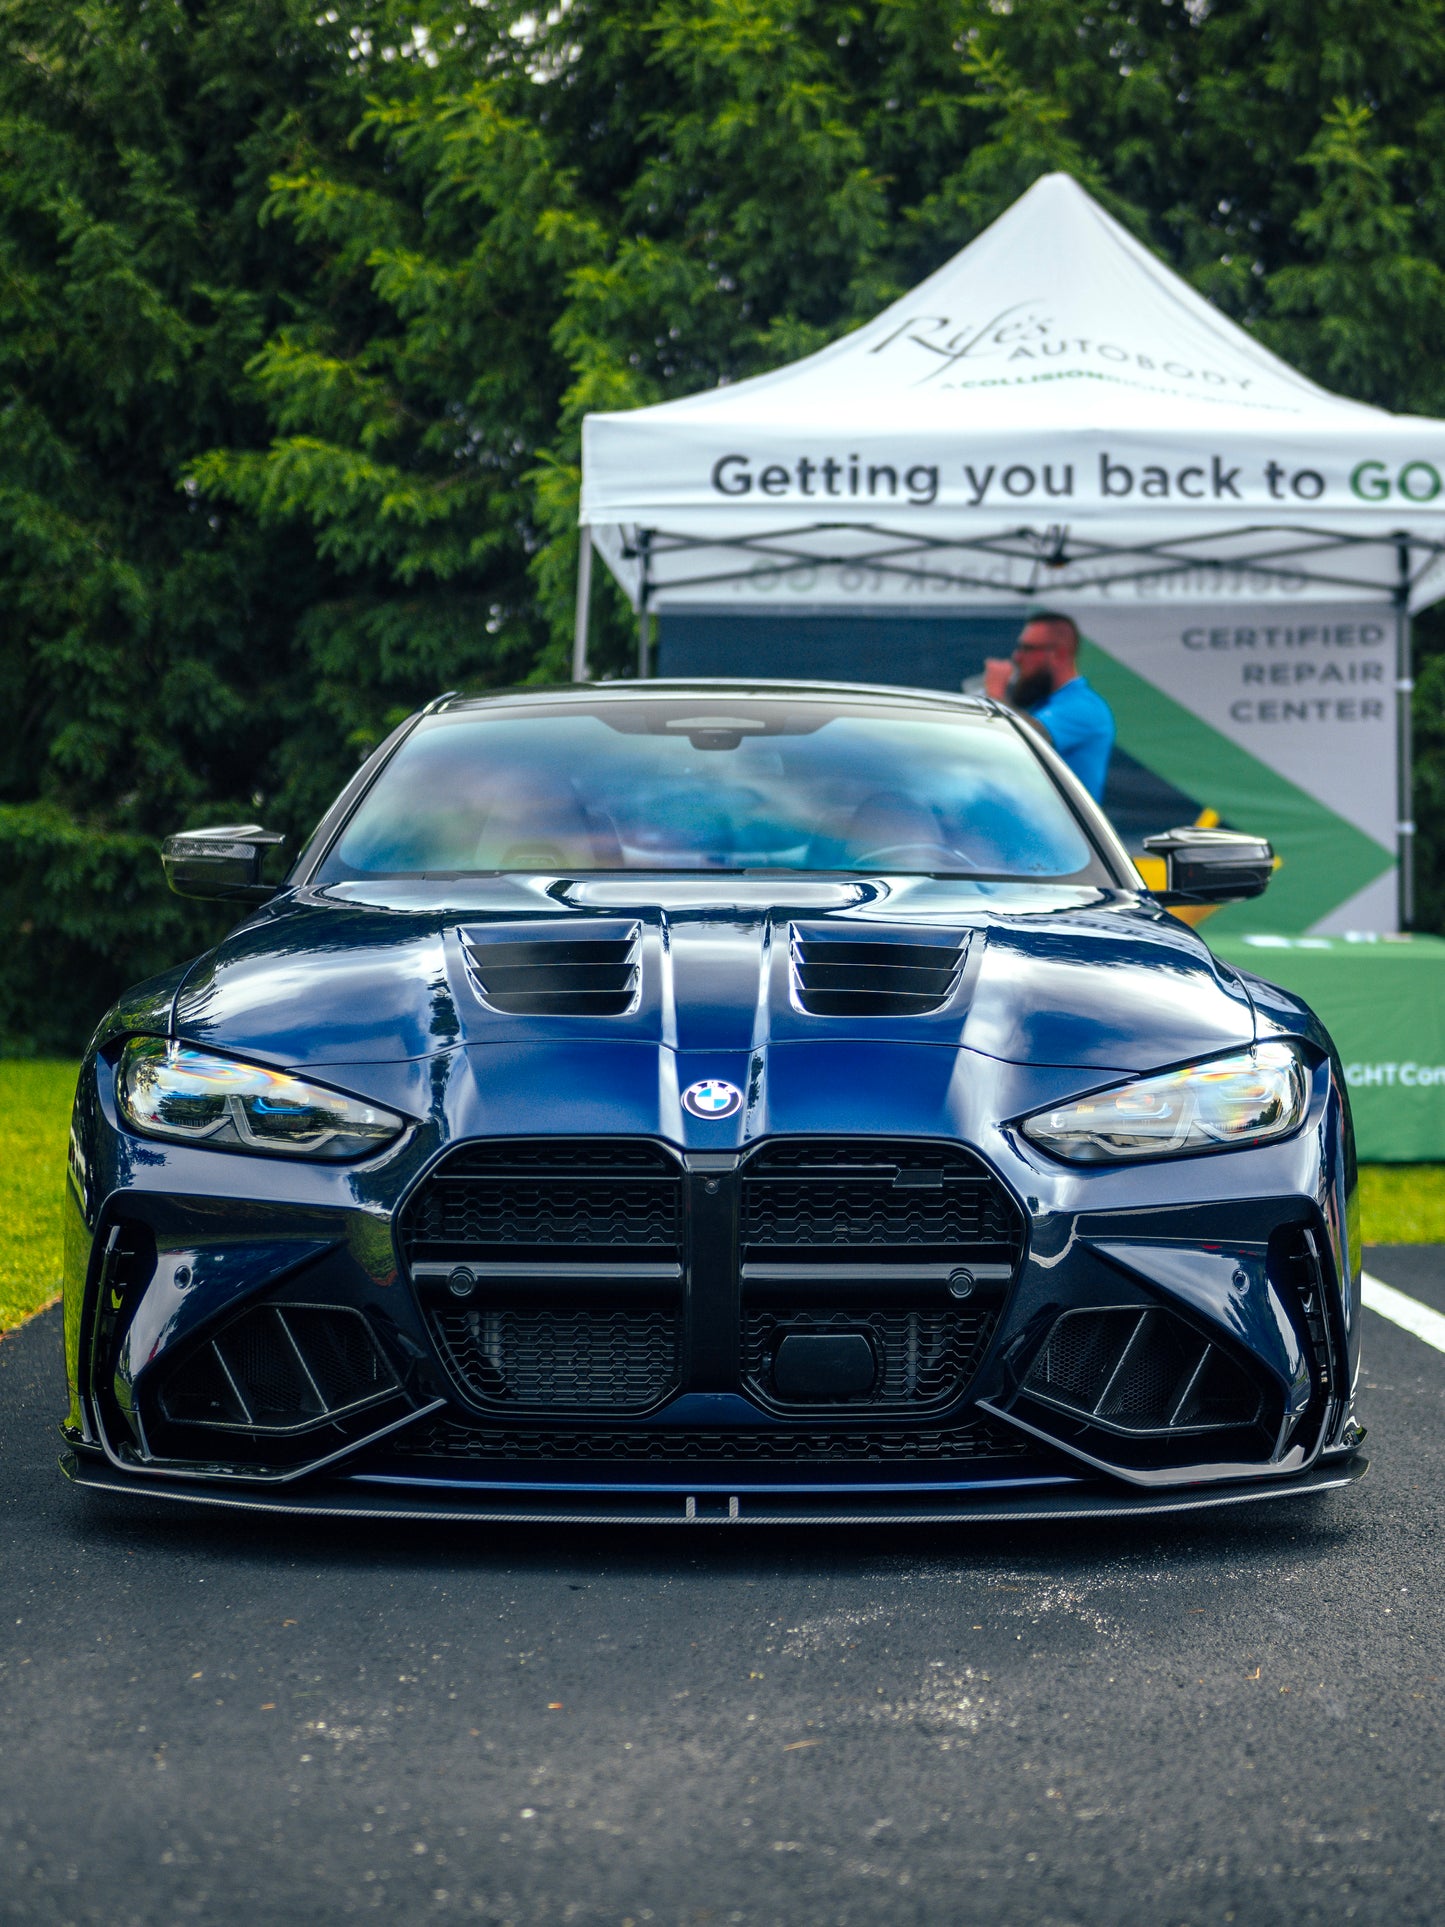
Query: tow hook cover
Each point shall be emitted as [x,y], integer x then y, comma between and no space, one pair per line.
[813,1367]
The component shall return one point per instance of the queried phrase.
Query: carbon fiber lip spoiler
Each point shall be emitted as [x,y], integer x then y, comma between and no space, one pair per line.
[712,1507]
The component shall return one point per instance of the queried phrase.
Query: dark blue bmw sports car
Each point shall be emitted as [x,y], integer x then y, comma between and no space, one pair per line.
[712,1101]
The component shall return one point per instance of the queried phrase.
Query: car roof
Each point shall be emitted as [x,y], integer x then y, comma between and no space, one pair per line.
[766,688]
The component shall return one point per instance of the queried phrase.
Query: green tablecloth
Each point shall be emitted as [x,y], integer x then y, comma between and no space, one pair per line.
[1383,1001]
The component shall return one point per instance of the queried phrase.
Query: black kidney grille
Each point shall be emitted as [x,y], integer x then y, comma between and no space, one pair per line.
[280,1368]
[843,977]
[604,1359]
[539,1339]
[910,1198]
[1143,1371]
[503,1212]
[541,1198]
[856,1445]
[926,1356]
[557,975]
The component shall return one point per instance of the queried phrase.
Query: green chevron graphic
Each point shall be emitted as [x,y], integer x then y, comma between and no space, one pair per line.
[1325,858]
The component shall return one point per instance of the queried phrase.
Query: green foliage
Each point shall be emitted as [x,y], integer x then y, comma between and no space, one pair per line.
[301,309]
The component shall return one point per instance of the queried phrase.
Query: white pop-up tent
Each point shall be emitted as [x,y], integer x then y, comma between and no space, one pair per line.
[1052,414]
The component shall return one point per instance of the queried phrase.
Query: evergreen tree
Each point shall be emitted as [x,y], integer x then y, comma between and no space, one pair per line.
[300,312]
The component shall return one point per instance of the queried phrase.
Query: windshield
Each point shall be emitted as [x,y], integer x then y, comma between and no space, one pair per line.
[713,783]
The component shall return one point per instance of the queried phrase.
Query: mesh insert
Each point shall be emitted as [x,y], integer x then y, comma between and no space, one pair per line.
[200,1393]
[607,1359]
[505,1211]
[1082,1351]
[444,1438]
[277,1391]
[1221,1395]
[340,1353]
[1154,1373]
[266,1371]
[585,1196]
[907,1196]
[1141,1370]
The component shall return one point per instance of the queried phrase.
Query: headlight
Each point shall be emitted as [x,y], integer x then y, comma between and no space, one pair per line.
[1248,1097]
[173,1090]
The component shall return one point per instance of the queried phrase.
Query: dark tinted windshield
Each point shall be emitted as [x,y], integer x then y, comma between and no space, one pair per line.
[717,783]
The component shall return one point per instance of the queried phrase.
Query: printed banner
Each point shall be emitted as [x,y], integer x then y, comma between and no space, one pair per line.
[1383,1002]
[1280,722]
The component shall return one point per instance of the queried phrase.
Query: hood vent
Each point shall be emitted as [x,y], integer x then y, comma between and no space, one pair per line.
[903,975]
[586,969]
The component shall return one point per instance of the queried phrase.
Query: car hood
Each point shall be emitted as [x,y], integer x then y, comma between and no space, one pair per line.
[1044,975]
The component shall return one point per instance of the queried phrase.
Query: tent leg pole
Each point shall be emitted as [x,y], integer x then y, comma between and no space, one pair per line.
[1404,744]
[584,603]
[644,597]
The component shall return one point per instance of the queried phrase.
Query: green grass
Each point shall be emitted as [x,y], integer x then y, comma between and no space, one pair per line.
[34,1121]
[1400,1203]
[1403,1204]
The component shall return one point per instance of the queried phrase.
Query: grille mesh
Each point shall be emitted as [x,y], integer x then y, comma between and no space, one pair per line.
[541,1198]
[607,1360]
[340,1354]
[1081,1353]
[912,1198]
[200,1393]
[1153,1375]
[509,1212]
[444,1438]
[267,1372]
[818,1212]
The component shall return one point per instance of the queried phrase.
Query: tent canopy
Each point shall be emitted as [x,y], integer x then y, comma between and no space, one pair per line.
[1052,411]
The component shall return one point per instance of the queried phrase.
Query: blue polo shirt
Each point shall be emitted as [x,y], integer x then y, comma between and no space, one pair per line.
[1081,728]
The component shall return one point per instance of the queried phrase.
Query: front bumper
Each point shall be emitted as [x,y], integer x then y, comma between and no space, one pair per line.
[976,1409]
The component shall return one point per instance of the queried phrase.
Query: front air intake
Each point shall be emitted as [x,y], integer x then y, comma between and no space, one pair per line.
[875,976]
[280,1369]
[1141,1371]
[587,969]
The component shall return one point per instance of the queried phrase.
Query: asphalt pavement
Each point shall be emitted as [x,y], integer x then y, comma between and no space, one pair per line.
[1213,1719]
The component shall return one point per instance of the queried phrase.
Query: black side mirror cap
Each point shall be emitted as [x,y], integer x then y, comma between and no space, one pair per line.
[221,864]
[1211,866]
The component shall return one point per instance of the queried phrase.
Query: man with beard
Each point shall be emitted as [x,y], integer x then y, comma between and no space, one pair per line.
[1042,681]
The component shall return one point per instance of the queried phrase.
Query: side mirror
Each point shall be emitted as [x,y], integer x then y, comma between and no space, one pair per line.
[1211,866]
[223,864]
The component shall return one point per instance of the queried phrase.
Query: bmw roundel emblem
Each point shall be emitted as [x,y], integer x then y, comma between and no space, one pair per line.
[714,1097]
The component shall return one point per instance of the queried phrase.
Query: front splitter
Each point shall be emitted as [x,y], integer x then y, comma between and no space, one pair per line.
[533,1507]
